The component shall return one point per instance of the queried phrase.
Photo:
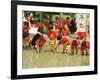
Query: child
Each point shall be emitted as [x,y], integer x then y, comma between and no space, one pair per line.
[40,43]
[33,31]
[26,34]
[75,45]
[81,31]
[25,26]
[67,21]
[73,27]
[57,23]
[85,45]
[37,36]
[63,30]
[52,34]
[62,40]
[46,24]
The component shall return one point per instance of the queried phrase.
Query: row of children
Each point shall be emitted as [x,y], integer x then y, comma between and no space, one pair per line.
[56,35]
[56,39]
[69,45]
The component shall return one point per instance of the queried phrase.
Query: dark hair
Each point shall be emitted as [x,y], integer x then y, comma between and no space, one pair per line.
[67,18]
[40,29]
[38,20]
[41,37]
[74,18]
[26,23]
[56,17]
[83,43]
[77,37]
[33,21]
[26,14]
[51,22]
[74,43]
[59,37]
[50,27]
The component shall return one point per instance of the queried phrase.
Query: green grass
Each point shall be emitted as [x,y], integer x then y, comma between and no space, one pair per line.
[31,59]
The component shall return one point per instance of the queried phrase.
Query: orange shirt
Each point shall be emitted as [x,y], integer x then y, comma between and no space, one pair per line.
[64,32]
[41,42]
[88,44]
[68,43]
[37,24]
[57,24]
[63,40]
[52,34]
[67,22]
[25,28]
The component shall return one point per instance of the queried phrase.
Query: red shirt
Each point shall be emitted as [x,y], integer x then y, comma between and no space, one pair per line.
[63,40]
[88,44]
[63,32]
[57,24]
[41,43]
[67,22]
[52,34]
[46,23]
[37,25]
[25,28]
[68,43]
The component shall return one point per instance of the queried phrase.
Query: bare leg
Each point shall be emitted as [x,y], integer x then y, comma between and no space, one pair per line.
[64,48]
[72,51]
[87,52]
[82,52]
[77,50]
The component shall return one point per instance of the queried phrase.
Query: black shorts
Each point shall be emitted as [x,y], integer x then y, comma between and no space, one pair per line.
[25,34]
[35,38]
